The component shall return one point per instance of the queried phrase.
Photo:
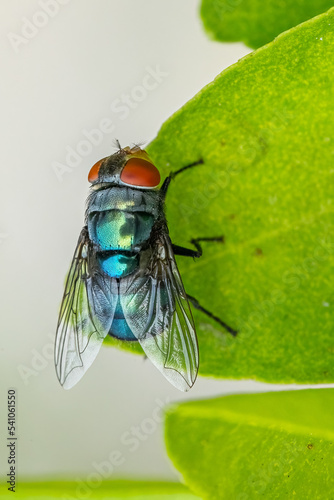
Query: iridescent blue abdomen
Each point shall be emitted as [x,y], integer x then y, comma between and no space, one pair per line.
[119,327]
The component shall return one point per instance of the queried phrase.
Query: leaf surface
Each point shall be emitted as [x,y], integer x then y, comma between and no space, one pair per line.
[245,447]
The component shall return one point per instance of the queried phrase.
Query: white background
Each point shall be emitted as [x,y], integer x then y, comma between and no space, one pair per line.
[56,84]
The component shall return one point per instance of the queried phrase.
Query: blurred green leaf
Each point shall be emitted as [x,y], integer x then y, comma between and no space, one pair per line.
[255,22]
[96,488]
[272,446]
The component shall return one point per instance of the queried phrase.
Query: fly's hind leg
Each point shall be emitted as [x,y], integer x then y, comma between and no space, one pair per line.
[187,252]
[198,306]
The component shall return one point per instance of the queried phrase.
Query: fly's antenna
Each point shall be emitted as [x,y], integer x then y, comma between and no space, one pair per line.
[118,144]
[134,148]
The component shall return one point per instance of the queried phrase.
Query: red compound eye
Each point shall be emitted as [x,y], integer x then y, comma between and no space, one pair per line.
[94,171]
[140,172]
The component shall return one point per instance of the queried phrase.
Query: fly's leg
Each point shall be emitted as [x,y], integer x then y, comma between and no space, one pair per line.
[172,175]
[187,252]
[198,306]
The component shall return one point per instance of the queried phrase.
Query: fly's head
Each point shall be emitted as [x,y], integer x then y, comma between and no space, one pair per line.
[127,167]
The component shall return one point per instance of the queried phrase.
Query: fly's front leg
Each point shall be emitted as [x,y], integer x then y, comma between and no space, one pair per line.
[172,175]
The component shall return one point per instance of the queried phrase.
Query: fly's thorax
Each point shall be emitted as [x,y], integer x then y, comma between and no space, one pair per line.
[122,218]
[125,198]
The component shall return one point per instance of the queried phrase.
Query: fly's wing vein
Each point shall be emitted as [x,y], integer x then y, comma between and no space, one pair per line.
[156,309]
[83,322]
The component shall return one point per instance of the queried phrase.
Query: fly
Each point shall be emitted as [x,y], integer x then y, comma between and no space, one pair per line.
[123,280]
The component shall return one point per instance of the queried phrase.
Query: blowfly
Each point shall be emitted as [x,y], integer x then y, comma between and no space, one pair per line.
[123,280]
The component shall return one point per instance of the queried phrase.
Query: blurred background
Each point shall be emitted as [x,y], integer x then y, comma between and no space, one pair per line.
[75,76]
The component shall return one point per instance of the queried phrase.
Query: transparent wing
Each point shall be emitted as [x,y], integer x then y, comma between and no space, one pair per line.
[157,311]
[85,317]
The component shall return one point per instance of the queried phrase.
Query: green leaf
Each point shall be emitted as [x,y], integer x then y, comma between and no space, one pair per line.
[133,347]
[271,446]
[94,487]
[264,129]
[255,22]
